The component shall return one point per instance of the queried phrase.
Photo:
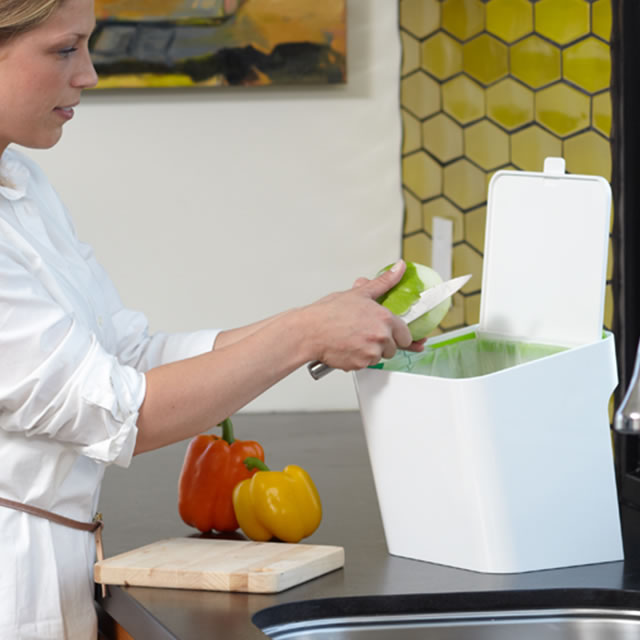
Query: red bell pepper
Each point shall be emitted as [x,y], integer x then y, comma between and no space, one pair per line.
[212,467]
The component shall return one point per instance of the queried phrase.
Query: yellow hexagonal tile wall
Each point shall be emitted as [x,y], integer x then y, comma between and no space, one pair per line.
[410,53]
[509,19]
[420,94]
[601,112]
[472,309]
[510,104]
[412,213]
[422,175]
[442,208]
[601,18]
[588,64]
[463,18]
[562,20]
[468,260]
[420,17]
[463,99]
[535,61]
[588,153]
[441,55]
[411,133]
[442,137]
[531,146]
[562,109]
[485,59]
[486,144]
[475,226]
[464,184]
[417,248]
[509,83]
[608,306]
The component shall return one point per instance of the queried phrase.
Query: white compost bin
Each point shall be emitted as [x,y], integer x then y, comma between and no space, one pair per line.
[491,451]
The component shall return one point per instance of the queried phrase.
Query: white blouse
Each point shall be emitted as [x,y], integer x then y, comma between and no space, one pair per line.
[72,363]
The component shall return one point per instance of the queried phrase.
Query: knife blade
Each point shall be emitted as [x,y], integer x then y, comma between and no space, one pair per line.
[429,300]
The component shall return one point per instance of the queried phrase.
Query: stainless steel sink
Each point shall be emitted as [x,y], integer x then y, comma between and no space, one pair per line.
[540,622]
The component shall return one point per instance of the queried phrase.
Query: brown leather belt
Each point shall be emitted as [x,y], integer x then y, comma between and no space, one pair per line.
[94,527]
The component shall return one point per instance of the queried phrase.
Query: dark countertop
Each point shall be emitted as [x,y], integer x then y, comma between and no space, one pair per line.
[139,507]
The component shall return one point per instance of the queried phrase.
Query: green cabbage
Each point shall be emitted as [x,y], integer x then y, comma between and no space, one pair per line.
[416,279]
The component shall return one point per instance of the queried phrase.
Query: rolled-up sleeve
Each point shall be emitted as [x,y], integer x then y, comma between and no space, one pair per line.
[56,379]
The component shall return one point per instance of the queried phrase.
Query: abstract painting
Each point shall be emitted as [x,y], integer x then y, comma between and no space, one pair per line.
[190,43]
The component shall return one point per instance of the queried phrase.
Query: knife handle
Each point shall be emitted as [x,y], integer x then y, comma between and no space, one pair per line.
[318,369]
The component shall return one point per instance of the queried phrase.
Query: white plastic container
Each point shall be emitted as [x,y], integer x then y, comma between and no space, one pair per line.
[511,471]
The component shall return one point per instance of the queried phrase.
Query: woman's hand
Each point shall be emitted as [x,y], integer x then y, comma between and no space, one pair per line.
[347,330]
[350,330]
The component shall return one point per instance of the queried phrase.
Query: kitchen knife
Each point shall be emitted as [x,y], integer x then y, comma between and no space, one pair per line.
[429,300]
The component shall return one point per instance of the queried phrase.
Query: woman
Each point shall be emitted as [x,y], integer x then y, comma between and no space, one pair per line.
[82,384]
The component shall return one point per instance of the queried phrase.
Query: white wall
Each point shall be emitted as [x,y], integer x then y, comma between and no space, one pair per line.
[218,207]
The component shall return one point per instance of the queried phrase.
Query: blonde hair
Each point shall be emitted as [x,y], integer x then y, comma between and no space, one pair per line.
[18,16]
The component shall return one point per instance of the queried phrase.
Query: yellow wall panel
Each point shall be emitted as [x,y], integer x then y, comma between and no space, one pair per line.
[510,19]
[562,20]
[441,56]
[535,61]
[443,208]
[497,85]
[510,104]
[463,18]
[443,137]
[417,248]
[588,64]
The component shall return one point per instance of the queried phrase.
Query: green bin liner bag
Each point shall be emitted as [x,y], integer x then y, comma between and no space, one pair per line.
[467,356]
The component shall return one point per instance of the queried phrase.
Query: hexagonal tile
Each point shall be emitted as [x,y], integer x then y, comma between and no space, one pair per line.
[412,212]
[420,17]
[455,316]
[411,133]
[531,146]
[562,20]
[472,309]
[442,137]
[410,53]
[509,19]
[475,223]
[535,61]
[486,144]
[601,18]
[562,109]
[510,103]
[464,184]
[588,153]
[609,307]
[442,208]
[601,112]
[588,64]
[485,58]
[463,18]
[422,175]
[420,94]
[463,99]
[417,248]
[468,260]
[441,56]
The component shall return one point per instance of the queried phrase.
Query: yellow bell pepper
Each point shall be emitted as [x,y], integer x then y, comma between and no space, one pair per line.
[281,504]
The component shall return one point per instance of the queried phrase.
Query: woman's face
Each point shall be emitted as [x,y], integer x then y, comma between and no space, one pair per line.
[43,72]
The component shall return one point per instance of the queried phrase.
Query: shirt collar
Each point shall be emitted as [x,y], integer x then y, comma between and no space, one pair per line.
[15,176]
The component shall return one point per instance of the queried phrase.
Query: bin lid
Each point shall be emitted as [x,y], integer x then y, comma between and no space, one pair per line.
[545,259]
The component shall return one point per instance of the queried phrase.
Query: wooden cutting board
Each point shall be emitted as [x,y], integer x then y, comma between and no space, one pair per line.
[219,565]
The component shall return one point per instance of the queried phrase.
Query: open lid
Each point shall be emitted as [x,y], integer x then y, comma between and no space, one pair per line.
[545,259]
